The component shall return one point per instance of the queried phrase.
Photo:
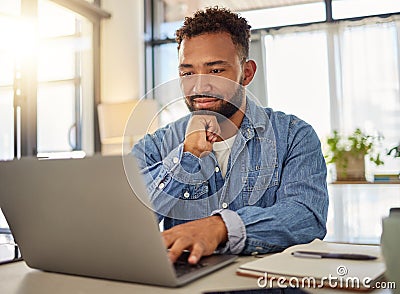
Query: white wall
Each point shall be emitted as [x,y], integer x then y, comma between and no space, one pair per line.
[122,51]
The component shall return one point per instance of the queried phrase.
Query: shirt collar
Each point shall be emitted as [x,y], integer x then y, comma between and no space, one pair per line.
[253,118]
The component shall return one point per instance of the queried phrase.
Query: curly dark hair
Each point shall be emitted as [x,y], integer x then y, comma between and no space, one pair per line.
[217,20]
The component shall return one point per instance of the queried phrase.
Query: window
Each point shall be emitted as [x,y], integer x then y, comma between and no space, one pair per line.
[285,15]
[370,75]
[354,8]
[333,74]
[365,68]
[9,13]
[167,54]
[65,43]
[288,57]
[168,16]
[47,84]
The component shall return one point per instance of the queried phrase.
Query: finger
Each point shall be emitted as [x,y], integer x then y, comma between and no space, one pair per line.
[196,125]
[196,253]
[173,256]
[195,133]
[211,137]
[216,126]
[214,130]
[211,134]
[167,238]
[213,125]
[177,248]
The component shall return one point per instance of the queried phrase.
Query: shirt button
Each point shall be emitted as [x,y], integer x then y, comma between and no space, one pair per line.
[224,205]
[186,194]
[216,169]
[175,160]
[161,186]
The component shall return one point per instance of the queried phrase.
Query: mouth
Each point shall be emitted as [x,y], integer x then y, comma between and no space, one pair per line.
[205,101]
[202,103]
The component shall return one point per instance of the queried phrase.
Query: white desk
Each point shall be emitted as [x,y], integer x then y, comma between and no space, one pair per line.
[17,278]
[355,214]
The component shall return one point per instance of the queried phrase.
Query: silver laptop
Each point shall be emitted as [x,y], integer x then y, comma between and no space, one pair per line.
[81,217]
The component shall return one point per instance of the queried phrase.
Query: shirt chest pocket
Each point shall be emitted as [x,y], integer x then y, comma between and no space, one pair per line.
[190,192]
[261,180]
[255,183]
[256,186]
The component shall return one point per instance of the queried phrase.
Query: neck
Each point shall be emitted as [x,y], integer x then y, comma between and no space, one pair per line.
[229,127]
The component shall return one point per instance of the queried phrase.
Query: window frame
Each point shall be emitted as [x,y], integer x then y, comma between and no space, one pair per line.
[25,107]
[152,19]
[153,11]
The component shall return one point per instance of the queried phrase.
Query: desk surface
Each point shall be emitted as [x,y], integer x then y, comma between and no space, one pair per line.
[353,208]
[19,278]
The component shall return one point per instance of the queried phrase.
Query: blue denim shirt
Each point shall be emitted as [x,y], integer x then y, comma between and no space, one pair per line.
[274,193]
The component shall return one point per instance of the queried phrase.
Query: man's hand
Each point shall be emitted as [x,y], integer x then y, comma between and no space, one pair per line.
[201,133]
[201,237]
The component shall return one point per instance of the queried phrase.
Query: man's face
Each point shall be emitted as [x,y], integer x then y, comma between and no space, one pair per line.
[211,74]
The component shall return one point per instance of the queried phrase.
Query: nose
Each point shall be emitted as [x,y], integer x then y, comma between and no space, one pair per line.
[202,84]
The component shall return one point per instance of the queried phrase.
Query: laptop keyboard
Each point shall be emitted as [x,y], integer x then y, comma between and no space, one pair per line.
[182,266]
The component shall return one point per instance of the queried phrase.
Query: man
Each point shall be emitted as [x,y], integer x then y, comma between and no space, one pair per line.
[232,176]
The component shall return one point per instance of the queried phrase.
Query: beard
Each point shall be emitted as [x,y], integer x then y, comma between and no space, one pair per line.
[226,108]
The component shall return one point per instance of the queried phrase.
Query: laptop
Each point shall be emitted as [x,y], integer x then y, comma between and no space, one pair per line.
[81,217]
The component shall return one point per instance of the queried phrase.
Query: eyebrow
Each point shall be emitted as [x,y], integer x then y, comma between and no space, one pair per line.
[211,63]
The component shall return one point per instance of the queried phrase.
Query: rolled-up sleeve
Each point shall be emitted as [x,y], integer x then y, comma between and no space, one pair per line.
[236,231]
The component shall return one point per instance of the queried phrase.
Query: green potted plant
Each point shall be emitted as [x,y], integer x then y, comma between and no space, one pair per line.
[348,154]
[395,152]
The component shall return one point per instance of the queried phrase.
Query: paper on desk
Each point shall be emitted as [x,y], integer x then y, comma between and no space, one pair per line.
[286,265]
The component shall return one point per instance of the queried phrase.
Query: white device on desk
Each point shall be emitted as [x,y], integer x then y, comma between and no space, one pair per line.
[81,217]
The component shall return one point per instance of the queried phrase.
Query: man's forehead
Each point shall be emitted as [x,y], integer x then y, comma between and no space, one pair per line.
[207,37]
[206,48]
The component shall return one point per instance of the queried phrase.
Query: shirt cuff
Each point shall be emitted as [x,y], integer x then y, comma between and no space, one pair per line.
[236,231]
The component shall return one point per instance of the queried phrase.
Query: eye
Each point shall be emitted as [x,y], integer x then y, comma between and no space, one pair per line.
[217,71]
[185,74]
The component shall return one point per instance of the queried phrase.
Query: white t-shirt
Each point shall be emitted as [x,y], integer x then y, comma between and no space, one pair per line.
[222,150]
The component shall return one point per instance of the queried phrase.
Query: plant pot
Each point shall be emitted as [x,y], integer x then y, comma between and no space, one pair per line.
[351,167]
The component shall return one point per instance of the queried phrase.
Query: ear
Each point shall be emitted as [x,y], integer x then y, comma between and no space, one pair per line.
[249,70]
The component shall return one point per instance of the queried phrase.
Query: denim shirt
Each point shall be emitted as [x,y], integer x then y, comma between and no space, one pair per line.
[274,193]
